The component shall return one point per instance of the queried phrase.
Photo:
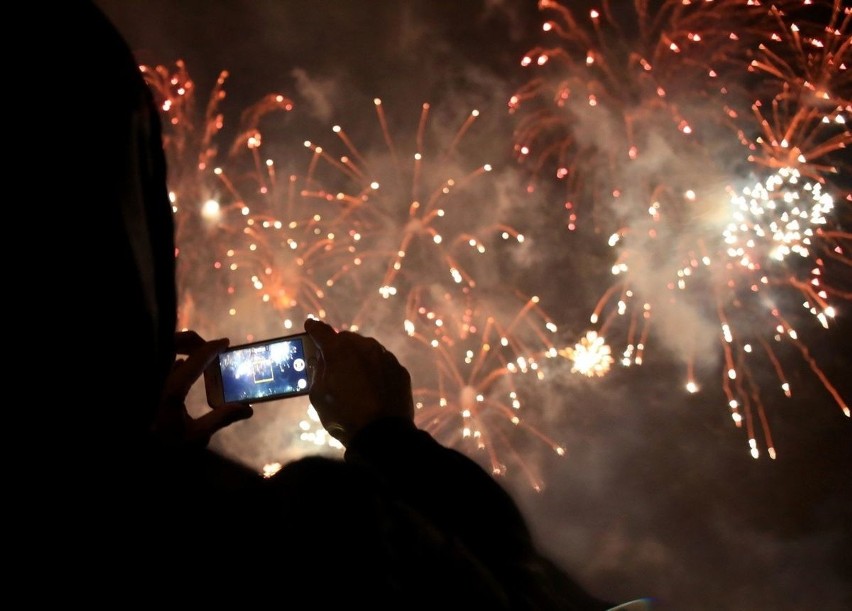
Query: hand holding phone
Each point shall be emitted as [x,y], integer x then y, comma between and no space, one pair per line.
[358,381]
[262,371]
[172,422]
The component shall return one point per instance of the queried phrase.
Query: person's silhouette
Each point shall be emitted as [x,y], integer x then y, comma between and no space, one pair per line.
[400,522]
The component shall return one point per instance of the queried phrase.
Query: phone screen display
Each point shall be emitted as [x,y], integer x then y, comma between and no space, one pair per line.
[264,371]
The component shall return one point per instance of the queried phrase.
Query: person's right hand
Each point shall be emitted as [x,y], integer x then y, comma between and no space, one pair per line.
[356,382]
[173,423]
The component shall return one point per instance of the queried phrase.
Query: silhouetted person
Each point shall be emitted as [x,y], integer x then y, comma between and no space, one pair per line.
[135,507]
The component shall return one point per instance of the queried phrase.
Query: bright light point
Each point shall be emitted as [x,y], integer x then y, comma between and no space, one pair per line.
[591,356]
[271,469]
[691,387]
[210,210]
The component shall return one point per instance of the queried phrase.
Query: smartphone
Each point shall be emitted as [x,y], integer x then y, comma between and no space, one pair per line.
[267,370]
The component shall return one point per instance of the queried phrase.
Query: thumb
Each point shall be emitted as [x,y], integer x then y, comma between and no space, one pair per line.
[322,333]
[219,418]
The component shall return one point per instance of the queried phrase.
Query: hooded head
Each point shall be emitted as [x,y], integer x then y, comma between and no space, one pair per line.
[115,244]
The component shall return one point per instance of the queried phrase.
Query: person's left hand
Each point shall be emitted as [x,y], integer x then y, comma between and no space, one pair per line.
[173,423]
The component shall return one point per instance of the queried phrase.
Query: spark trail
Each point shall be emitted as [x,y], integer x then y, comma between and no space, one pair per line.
[707,140]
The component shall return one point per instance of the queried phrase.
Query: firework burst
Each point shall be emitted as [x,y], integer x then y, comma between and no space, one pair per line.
[414,212]
[621,84]
[805,93]
[425,269]
[482,359]
[387,242]
[591,356]
[190,139]
[646,130]
[284,253]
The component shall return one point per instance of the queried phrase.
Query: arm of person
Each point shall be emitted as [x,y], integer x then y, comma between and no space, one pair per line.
[444,484]
[363,397]
[177,453]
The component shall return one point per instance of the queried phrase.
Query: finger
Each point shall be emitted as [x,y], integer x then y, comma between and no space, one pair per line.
[397,387]
[183,377]
[322,333]
[375,346]
[187,341]
[390,362]
[369,350]
[216,420]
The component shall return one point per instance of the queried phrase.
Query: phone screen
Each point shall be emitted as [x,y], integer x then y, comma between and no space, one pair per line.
[263,371]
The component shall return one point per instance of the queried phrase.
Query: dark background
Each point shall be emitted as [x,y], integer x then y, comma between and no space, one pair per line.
[657,495]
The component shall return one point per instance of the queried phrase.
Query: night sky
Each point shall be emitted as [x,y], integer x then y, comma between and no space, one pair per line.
[657,494]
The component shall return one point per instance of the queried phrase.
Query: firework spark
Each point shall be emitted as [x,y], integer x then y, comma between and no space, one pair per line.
[649,132]
[256,255]
[619,84]
[190,139]
[412,215]
[377,235]
[805,98]
[482,358]
[591,356]
[423,245]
